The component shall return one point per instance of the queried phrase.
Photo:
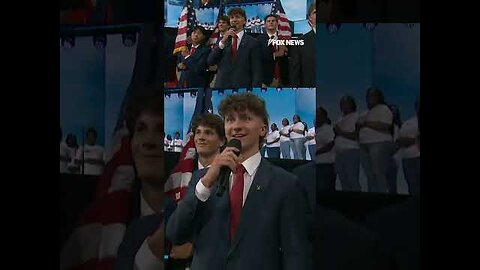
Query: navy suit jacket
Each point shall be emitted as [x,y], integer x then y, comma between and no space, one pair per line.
[302,66]
[269,63]
[271,233]
[243,71]
[196,74]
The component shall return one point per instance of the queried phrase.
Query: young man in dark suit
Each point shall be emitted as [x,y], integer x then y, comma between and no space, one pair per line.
[237,56]
[260,220]
[274,58]
[302,66]
[193,62]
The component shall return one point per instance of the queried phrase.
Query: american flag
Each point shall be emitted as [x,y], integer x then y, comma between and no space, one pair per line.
[177,183]
[216,33]
[284,30]
[187,21]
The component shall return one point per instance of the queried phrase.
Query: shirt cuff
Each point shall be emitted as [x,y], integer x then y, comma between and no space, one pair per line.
[221,45]
[202,192]
[146,260]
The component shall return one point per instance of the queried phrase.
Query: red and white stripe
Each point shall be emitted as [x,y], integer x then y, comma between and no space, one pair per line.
[177,183]
[284,30]
[95,241]
[181,39]
[214,37]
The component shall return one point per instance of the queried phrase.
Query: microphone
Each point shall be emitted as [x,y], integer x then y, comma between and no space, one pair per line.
[225,171]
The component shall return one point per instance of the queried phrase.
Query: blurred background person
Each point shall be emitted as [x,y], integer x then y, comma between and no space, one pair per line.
[297,135]
[285,142]
[209,136]
[193,62]
[273,142]
[347,150]
[410,152]
[177,143]
[310,143]
[91,157]
[325,156]
[167,142]
[376,140]
[396,160]
[72,148]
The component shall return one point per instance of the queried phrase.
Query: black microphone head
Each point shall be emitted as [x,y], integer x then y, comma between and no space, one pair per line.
[235,143]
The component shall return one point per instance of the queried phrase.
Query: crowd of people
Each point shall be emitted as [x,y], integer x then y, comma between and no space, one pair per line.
[295,138]
[238,59]
[375,140]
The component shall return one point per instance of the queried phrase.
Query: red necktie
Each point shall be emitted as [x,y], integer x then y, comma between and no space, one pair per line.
[276,70]
[236,199]
[192,50]
[234,46]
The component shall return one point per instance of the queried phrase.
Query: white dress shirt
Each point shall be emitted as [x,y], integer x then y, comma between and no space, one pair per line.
[239,35]
[251,167]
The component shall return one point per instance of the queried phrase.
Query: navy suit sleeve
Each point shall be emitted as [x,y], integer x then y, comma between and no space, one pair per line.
[295,66]
[215,56]
[198,63]
[257,76]
[296,250]
[181,224]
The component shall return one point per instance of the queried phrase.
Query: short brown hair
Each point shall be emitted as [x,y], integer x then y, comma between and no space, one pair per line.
[212,121]
[150,100]
[242,102]
[237,10]
[224,18]
[312,6]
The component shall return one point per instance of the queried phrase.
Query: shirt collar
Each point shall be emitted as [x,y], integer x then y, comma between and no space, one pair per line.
[251,164]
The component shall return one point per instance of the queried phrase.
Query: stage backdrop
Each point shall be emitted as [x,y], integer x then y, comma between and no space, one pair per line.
[92,85]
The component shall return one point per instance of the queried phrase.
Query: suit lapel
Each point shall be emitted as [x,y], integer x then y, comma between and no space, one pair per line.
[254,201]
[242,45]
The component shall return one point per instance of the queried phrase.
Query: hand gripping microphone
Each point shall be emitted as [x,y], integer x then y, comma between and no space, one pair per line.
[225,171]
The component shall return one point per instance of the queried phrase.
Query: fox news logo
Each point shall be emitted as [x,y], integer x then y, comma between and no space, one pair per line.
[285,42]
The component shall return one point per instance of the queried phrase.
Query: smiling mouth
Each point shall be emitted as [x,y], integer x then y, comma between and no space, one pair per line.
[238,136]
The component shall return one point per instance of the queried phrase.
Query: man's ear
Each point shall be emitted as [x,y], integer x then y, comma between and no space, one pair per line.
[264,130]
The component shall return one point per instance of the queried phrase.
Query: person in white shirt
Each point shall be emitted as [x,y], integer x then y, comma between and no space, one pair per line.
[177,143]
[347,150]
[273,142]
[325,155]
[297,135]
[376,140]
[71,148]
[285,142]
[63,155]
[410,153]
[167,142]
[396,160]
[310,143]
[91,157]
